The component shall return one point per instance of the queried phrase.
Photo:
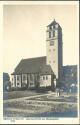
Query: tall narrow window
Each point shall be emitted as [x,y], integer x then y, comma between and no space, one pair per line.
[17,77]
[53,33]
[52,27]
[43,77]
[24,77]
[17,83]
[49,34]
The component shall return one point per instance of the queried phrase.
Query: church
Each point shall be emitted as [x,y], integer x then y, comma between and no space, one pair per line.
[42,71]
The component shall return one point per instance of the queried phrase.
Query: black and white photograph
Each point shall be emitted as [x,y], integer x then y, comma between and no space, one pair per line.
[40,61]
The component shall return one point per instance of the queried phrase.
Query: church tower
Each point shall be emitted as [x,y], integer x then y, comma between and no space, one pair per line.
[54,49]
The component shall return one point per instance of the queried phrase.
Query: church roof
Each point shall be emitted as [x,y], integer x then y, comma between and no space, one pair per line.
[33,65]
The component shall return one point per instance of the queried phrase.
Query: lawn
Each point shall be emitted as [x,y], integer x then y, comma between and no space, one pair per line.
[69,98]
[28,108]
[19,94]
[37,106]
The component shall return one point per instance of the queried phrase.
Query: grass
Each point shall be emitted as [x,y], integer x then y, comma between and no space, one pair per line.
[19,94]
[57,99]
[38,106]
[31,108]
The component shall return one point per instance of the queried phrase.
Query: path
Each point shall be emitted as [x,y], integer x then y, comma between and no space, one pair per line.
[22,98]
[31,97]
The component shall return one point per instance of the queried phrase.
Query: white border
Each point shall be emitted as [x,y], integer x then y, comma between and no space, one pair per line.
[61,120]
[40,2]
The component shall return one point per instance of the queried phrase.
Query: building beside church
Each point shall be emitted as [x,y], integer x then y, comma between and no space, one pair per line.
[42,71]
[70,75]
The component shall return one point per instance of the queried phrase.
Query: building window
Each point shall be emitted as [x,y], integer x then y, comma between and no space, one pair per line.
[49,34]
[17,83]
[43,77]
[50,27]
[17,77]
[53,33]
[24,77]
[54,26]
[51,43]
[46,77]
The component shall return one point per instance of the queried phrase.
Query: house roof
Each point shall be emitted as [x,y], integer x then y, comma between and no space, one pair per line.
[33,65]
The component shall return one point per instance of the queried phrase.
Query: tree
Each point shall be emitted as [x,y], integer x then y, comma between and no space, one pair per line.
[6,82]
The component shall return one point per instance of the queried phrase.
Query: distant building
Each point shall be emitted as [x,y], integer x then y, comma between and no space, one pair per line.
[70,74]
[42,71]
[70,78]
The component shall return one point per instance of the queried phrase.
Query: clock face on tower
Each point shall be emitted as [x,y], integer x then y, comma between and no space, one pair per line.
[51,43]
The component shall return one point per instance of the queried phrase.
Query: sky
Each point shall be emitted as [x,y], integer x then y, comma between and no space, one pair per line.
[24,32]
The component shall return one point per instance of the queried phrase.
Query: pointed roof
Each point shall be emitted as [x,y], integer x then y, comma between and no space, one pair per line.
[53,23]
